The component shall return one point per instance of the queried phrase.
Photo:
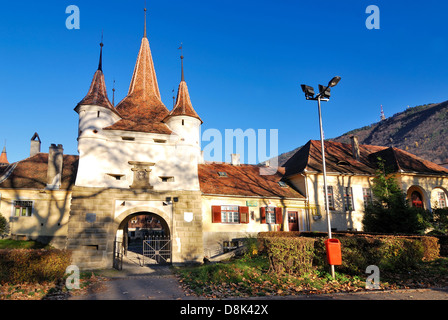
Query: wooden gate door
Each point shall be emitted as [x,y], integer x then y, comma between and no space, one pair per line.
[293,221]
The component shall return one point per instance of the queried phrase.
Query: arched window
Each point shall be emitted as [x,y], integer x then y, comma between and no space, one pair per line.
[416,199]
[438,198]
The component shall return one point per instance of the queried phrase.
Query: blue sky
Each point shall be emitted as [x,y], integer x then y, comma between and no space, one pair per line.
[244,62]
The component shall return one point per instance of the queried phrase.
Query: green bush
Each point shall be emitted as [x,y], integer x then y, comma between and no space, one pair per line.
[290,255]
[33,266]
[359,250]
[3,224]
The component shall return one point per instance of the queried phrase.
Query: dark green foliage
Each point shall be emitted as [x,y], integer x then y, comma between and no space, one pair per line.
[390,212]
[440,221]
[359,250]
[3,224]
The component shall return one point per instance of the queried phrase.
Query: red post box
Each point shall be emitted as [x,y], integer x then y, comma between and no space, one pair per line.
[334,256]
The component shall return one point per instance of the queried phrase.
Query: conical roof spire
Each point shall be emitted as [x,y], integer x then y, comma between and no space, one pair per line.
[144,32]
[3,157]
[142,109]
[100,64]
[97,94]
[183,106]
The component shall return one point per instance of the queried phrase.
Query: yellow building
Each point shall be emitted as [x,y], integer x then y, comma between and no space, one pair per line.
[350,171]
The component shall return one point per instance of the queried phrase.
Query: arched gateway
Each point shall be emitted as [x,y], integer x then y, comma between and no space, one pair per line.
[142,237]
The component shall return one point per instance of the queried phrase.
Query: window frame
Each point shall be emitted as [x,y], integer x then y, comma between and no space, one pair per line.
[367,196]
[29,208]
[278,214]
[349,204]
[240,213]
[330,196]
[441,198]
[230,214]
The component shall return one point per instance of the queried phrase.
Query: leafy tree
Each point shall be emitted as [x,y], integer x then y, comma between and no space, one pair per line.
[390,212]
[3,224]
[440,221]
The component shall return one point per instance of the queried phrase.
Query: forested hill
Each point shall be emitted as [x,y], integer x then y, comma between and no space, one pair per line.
[421,130]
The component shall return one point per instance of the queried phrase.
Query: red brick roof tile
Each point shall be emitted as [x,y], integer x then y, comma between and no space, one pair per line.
[339,159]
[142,109]
[183,106]
[31,173]
[243,180]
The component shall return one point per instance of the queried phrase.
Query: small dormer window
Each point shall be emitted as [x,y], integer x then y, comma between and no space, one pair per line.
[343,163]
[222,174]
[282,184]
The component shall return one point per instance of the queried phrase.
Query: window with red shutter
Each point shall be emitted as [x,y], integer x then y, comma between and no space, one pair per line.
[263,214]
[244,214]
[278,215]
[216,214]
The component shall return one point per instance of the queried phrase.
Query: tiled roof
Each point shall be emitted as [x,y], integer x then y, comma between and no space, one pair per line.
[3,157]
[183,105]
[339,159]
[97,94]
[243,180]
[31,173]
[142,109]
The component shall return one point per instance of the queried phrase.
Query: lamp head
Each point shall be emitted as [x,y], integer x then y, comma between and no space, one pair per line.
[333,82]
[324,91]
[309,91]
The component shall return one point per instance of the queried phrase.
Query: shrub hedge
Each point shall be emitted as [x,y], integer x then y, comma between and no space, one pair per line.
[290,255]
[359,250]
[33,266]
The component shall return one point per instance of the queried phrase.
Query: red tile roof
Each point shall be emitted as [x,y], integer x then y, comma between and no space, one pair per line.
[3,157]
[339,159]
[183,106]
[142,109]
[97,94]
[31,173]
[244,180]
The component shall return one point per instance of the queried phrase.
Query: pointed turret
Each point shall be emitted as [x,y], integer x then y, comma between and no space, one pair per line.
[142,109]
[183,106]
[3,157]
[97,94]
[183,120]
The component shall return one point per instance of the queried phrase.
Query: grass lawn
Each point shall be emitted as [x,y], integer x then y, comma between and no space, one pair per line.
[21,244]
[250,276]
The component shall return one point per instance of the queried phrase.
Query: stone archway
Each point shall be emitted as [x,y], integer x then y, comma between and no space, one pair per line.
[146,224]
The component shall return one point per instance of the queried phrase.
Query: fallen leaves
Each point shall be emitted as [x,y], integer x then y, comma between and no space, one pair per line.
[236,281]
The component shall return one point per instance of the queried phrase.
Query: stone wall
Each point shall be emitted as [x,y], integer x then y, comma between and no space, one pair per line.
[96,215]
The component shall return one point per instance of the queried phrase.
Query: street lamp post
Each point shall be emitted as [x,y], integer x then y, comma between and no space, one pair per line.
[324,95]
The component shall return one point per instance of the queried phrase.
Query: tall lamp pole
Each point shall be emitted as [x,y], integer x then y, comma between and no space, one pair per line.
[324,95]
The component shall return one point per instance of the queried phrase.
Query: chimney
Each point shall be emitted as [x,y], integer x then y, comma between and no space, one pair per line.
[355,147]
[35,145]
[235,160]
[201,158]
[55,162]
